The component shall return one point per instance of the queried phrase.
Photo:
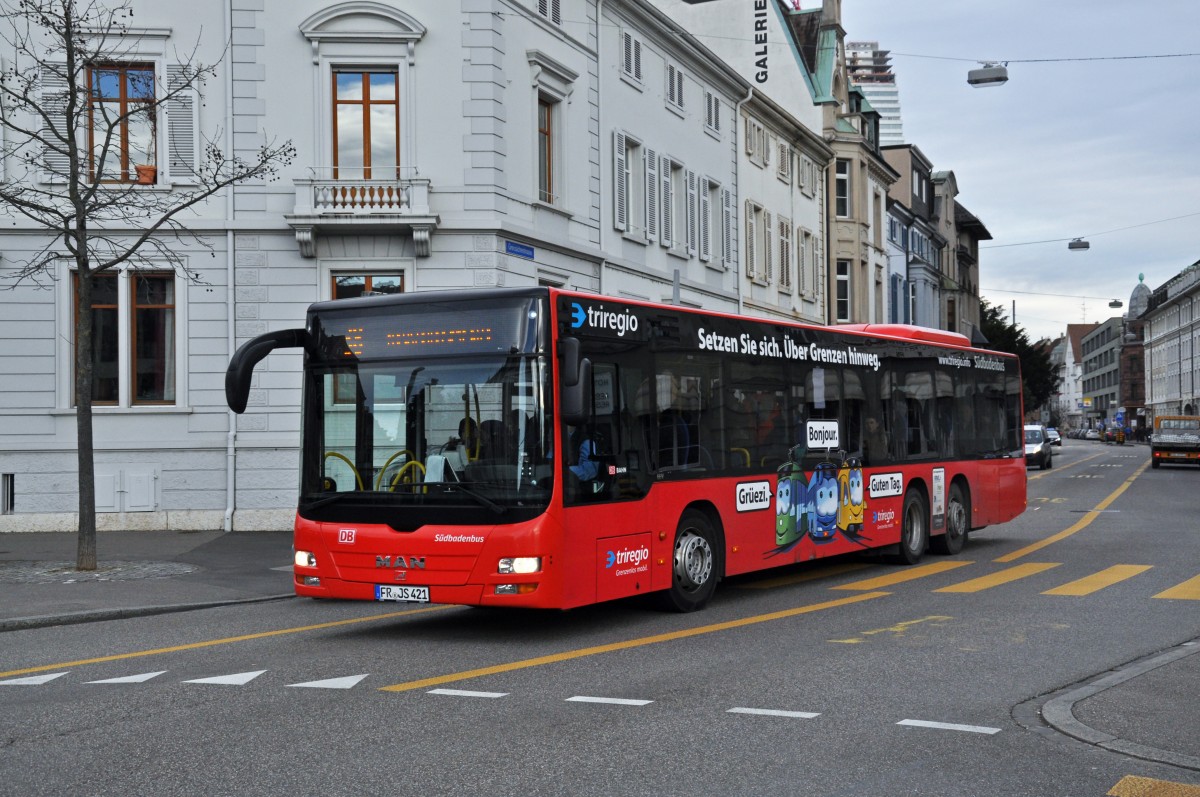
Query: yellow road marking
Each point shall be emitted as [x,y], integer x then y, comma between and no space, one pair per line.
[907,574]
[580,653]
[226,641]
[1082,524]
[1098,581]
[1043,473]
[1130,786]
[1002,577]
[897,630]
[800,578]
[1187,591]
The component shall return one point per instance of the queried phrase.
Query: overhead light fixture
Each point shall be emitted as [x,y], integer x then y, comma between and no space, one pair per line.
[990,74]
[1079,244]
[1115,303]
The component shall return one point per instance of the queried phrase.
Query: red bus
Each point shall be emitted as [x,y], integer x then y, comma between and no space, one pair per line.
[542,448]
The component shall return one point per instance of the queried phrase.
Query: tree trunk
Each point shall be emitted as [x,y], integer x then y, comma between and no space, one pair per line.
[85,557]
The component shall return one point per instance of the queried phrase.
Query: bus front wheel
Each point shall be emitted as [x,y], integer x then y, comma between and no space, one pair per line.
[914,531]
[694,565]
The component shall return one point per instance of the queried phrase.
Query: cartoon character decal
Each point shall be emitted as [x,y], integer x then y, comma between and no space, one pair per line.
[823,493]
[816,507]
[851,503]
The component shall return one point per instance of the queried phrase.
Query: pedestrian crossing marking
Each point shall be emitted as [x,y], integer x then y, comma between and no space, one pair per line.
[907,574]
[1001,577]
[130,679]
[237,679]
[1098,581]
[33,680]
[1187,591]
[345,682]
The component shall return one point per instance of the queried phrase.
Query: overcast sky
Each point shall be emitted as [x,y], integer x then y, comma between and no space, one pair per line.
[1064,149]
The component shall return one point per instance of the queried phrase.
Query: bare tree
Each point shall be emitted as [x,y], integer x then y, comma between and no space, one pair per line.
[70,156]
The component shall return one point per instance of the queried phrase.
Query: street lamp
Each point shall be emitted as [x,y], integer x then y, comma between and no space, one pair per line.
[1078,244]
[990,74]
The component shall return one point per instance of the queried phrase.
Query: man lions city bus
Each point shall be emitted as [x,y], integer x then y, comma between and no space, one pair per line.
[542,448]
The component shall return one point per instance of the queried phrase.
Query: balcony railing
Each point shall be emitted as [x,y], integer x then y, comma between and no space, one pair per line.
[326,205]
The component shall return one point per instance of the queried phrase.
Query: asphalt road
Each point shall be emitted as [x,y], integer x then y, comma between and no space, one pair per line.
[851,677]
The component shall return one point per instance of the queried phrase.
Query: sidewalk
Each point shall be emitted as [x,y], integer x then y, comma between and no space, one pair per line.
[1145,709]
[138,572]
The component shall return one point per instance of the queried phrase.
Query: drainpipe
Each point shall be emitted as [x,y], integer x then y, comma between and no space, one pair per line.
[230,287]
[737,184]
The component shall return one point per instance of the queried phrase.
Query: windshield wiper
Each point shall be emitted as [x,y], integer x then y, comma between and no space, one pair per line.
[329,499]
[483,500]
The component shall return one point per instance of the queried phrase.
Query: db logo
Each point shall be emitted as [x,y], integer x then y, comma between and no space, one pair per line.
[346,536]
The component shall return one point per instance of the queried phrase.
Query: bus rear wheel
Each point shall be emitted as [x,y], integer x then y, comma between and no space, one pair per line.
[695,565]
[958,516]
[914,530]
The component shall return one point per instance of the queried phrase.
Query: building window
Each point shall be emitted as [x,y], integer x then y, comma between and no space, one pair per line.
[842,189]
[551,10]
[634,185]
[366,125]
[675,87]
[912,302]
[842,293]
[121,121]
[759,243]
[546,150]
[133,333]
[712,112]
[349,286]
[631,56]
[786,267]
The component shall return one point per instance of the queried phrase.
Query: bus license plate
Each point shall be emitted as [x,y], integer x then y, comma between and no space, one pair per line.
[400,592]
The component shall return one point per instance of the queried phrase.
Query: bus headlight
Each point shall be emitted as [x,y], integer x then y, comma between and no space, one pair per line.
[520,564]
[305,559]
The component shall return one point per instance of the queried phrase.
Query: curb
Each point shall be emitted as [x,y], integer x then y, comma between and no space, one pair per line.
[1058,712]
[100,615]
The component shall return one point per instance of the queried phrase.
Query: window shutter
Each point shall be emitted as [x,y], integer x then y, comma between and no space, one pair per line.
[620,186]
[679,88]
[691,213]
[668,202]
[672,97]
[705,232]
[728,225]
[182,128]
[785,253]
[627,52]
[637,59]
[750,235]
[652,199]
[749,137]
[768,257]
[56,163]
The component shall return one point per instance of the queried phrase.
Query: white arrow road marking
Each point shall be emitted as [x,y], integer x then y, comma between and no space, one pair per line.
[345,682]
[466,693]
[948,726]
[774,712]
[33,680]
[130,679]
[237,679]
[616,701]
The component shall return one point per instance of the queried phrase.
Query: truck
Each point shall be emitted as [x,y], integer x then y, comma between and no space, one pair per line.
[1176,439]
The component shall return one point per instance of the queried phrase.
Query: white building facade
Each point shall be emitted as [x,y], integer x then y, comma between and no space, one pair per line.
[471,143]
[1172,346]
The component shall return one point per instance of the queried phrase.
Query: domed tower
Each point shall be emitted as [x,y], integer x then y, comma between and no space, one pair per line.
[1139,300]
[1133,361]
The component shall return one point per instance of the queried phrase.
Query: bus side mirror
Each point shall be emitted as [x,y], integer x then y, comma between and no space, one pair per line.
[575,381]
[241,365]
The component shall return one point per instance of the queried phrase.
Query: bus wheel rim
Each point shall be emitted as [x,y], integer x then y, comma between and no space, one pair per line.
[914,525]
[693,560]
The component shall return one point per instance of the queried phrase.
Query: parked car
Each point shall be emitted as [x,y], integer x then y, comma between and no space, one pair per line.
[1037,447]
[1092,434]
[1053,435]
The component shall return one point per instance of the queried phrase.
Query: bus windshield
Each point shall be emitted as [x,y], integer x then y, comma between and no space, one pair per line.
[430,432]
